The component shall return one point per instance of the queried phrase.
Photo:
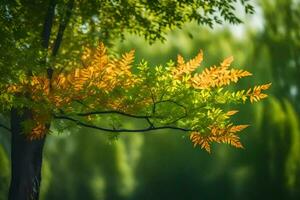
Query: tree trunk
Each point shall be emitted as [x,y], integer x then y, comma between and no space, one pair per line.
[26,160]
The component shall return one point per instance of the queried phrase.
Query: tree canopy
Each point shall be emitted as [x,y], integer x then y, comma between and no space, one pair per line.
[31,39]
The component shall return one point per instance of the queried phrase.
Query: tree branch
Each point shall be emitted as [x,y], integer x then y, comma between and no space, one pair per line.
[114,112]
[62,26]
[172,101]
[146,117]
[150,128]
[150,123]
[5,127]
[48,24]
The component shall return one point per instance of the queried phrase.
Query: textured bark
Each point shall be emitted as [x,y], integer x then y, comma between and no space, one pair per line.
[26,160]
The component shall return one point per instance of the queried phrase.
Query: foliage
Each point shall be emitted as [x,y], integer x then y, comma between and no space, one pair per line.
[32,41]
[30,49]
[177,96]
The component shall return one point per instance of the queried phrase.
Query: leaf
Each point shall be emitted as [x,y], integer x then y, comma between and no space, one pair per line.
[226,63]
[255,93]
[188,67]
[232,112]
[201,141]
[237,128]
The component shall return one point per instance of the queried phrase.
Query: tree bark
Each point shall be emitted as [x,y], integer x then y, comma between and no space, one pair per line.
[26,160]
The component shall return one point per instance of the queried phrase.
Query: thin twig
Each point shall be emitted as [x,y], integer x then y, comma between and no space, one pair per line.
[5,127]
[113,112]
[150,128]
[150,123]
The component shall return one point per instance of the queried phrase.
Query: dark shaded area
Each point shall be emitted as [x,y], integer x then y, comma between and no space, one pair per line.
[26,160]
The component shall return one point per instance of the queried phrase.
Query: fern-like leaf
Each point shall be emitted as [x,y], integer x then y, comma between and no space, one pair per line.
[218,76]
[256,94]
[187,68]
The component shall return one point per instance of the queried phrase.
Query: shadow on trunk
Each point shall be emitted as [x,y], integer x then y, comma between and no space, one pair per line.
[26,160]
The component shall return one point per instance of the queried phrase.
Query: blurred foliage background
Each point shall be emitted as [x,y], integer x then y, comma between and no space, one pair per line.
[164,165]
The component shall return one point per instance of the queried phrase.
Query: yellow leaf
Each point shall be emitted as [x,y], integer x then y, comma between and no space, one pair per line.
[188,67]
[266,86]
[237,128]
[232,112]
[226,63]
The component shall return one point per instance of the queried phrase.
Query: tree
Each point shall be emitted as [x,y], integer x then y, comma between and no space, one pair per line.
[42,49]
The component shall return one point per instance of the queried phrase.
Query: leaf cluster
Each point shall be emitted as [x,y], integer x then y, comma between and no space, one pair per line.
[24,51]
[178,96]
